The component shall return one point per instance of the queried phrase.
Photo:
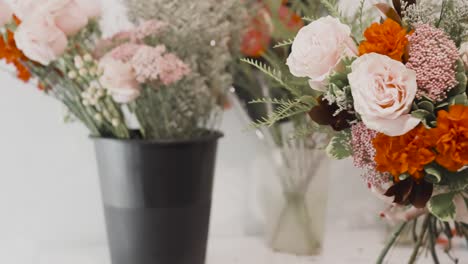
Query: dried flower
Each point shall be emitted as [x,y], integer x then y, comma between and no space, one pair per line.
[148,28]
[433,56]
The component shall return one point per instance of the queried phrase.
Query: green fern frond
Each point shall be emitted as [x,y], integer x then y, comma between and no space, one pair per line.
[284,110]
[332,7]
[361,14]
[284,43]
[272,73]
[308,19]
[274,101]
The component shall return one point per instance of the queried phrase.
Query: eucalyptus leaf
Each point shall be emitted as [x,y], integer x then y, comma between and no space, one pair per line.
[460,99]
[428,106]
[421,114]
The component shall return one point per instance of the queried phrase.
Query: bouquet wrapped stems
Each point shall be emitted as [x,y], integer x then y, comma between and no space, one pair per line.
[425,237]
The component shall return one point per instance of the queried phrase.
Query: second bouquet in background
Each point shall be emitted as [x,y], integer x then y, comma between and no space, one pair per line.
[151,98]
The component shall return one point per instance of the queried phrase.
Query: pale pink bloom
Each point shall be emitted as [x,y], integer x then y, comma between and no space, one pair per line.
[318,50]
[147,63]
[433,57]
[25,8]
[119,79]
[383,91]
[5,13]
[40,39]
[173,69]
[125,52]
[67,15]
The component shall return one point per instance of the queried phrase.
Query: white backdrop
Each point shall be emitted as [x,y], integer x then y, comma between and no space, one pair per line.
[49,188]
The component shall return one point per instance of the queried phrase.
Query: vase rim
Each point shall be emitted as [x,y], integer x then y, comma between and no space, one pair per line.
[211,136]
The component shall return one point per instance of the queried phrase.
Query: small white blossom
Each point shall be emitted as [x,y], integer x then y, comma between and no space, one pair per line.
[78,62]
[83,72]
[72,75]
[88,58]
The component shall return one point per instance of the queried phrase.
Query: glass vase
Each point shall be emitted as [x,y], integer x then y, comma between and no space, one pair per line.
[295,220]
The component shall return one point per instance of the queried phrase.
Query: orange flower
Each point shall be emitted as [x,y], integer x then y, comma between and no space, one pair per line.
[388,39]
[12,55]
[404,154]
[451,137]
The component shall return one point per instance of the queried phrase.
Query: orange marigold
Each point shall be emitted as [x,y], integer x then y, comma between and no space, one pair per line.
[388,39]
[408,153]
[451,137]
[12,55]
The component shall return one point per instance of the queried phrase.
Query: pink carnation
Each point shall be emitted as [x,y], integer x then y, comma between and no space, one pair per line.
[433,56]
[152,64]
[173,69]
[125,52]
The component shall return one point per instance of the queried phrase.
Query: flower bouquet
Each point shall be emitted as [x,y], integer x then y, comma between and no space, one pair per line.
[395,94]
[151,100]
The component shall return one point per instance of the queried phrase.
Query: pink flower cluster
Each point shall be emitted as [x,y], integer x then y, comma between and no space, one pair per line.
[364,153]
[433,56]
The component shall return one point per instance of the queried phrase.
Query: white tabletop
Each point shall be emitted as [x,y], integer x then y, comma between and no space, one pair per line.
[358,247]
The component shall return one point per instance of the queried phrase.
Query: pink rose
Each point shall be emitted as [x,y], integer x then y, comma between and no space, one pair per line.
[5,13]
[40,40]
[67,15]
[24,8]
[318,50]
[383,91]
[92,8]
[119,79]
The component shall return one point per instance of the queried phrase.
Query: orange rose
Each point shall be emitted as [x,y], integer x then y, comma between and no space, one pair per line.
[451,137]
[388,39]
[408,153]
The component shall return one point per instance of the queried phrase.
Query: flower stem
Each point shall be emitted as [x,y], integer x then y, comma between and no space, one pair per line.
[391,242]
[422,235]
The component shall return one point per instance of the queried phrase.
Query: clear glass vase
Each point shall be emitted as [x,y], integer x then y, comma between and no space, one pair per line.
[295,219]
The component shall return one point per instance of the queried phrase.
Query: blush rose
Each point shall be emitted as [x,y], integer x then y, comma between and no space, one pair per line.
[383,91]
[318,50]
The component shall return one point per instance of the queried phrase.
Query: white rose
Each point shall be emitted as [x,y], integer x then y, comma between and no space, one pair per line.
[318,50]
[119,79]
[464,54]
[40,40]
[383,91]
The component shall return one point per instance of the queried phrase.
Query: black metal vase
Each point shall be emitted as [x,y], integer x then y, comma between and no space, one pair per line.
[157,198]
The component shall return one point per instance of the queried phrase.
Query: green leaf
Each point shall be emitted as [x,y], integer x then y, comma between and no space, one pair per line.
[421,114]
[340,146]
[460,99]
[433,175]
[428,106]
[458,181]
[442,206]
